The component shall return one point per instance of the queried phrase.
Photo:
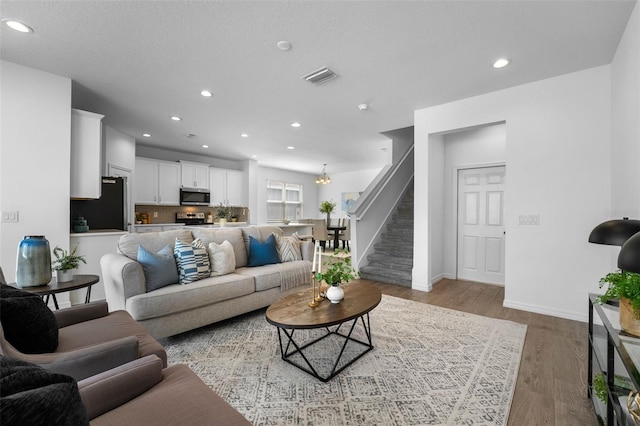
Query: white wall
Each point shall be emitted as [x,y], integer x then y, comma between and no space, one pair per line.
[558,162]
[356,181]
[481,146]
[34,158]
[625,128]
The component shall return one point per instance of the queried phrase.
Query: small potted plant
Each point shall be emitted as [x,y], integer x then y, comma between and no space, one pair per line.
[223,212]
[327,207]
[65,263]
[624,286]
[339,271]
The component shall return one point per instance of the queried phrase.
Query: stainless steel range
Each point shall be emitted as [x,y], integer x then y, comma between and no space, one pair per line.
[190,218]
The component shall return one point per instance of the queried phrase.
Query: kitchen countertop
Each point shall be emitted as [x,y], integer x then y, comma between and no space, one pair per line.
[98,233]
[159,224]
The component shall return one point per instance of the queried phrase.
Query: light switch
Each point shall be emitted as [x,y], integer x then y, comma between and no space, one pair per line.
[529,219]
[10,216]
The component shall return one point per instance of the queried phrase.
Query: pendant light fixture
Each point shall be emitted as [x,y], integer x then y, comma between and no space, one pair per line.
[324,178]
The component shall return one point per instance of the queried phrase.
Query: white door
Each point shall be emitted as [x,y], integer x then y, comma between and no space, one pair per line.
[481,224]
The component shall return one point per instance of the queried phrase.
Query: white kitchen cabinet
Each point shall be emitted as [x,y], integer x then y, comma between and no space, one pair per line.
[226,187]
[194,175]
[168,183]
[157,182]
[86,154]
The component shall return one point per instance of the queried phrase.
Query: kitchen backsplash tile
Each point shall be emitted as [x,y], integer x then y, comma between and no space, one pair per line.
[167,214]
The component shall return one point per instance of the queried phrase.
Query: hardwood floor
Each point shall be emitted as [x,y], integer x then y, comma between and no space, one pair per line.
[552,380]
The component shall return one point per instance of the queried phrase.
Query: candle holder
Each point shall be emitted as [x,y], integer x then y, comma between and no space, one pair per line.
[319,297]
[314,302]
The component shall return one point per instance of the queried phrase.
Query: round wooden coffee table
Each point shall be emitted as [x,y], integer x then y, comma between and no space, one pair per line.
[293,312]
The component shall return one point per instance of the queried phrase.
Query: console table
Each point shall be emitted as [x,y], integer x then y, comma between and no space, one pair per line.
[614,363]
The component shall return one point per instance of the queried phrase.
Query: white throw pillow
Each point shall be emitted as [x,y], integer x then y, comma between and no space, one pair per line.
[222,257]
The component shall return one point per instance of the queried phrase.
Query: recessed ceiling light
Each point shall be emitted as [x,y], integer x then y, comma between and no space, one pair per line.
[205,146]
[254,156]
[206,93]
[296,124]
[175,118]
[291,147]
[244,135]
[17,26]
[284,45]
[146,135]
[363,107]
[501,63]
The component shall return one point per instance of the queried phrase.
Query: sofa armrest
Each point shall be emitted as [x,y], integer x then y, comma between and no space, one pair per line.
[81,313]
[106,391]
[306,249]
[123,278]
[87,361]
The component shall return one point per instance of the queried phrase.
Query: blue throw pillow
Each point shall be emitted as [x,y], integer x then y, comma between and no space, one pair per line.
[159,268]
[192,260]
[264,253]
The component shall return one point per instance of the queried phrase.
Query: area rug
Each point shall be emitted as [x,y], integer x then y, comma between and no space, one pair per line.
[429,366]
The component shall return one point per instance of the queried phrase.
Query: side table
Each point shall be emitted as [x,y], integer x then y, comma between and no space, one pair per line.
[614,364]
[78,282]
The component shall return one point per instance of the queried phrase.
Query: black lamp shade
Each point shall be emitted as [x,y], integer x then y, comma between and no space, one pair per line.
[614,232]
[629,257]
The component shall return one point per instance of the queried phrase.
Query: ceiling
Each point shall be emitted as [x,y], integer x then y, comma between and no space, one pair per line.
[139,62]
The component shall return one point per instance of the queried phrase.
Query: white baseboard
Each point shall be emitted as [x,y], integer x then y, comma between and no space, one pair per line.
[544,310]
[421,286]
[437,278]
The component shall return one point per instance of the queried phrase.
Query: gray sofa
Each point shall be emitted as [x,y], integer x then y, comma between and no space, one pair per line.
[177,308]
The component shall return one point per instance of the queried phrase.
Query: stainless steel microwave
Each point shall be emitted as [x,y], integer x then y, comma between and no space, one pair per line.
[194,197]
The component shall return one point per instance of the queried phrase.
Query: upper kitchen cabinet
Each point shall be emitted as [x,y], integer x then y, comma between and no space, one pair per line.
[157,182]
[195,175]
[226,187]
[86,150]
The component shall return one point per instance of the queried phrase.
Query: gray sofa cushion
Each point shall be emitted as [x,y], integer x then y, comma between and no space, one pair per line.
[284,275]
[178,298]
[152,241]
[220,235]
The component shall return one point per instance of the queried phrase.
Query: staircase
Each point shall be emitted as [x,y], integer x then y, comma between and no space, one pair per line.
[392,259]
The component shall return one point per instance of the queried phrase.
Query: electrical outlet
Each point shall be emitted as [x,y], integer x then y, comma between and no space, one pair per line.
[10,216]
[155,214]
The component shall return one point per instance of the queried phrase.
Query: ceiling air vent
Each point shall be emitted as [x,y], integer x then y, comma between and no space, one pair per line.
[320,76]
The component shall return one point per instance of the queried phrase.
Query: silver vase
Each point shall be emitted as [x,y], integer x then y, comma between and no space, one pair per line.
[33,265]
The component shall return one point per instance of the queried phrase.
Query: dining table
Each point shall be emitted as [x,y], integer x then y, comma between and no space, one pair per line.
[336,229]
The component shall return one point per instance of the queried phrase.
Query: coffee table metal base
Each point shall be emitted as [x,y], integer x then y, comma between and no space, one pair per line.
[289,347]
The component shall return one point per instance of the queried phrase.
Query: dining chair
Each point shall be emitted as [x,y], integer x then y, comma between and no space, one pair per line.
[320,232]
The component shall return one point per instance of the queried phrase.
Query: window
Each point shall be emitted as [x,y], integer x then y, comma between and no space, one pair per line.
[284,201]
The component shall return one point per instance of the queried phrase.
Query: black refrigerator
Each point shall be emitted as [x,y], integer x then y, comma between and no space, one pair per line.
[107,212]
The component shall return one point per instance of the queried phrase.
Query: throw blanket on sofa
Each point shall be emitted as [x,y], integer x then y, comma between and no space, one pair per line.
[294,277]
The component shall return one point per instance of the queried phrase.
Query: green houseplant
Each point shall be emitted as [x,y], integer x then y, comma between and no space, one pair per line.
[224,213]
[339,271]
[624,286]
[66,262]
[327,207]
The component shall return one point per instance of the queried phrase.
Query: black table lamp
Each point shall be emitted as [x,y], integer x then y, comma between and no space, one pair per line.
[614,232]
[629,257]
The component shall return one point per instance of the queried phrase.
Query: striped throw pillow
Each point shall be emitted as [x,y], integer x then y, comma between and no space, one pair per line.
[288,248]
[192,260]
